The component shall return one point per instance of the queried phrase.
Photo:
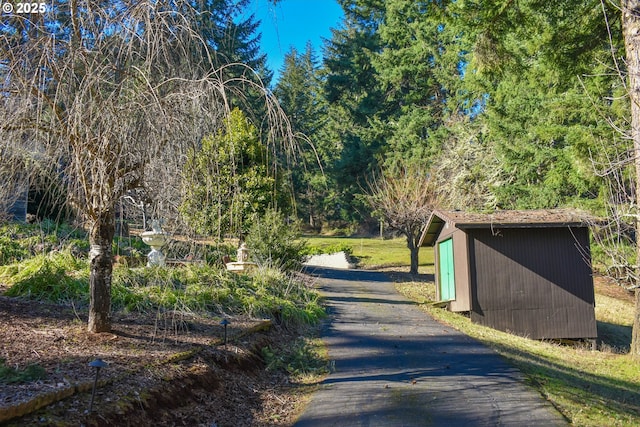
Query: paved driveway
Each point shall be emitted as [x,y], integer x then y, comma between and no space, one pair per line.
[393,365]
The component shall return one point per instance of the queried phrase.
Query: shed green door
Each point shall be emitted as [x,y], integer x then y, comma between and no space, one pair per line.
[447,280]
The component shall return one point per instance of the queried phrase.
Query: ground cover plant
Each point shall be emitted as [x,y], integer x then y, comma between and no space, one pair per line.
[9,374]
[60,276]
[21,241]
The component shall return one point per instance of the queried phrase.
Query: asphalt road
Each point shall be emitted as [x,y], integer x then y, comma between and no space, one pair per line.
[393,365]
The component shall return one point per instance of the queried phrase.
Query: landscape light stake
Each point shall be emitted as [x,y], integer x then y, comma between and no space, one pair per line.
[224,323]
[97,363]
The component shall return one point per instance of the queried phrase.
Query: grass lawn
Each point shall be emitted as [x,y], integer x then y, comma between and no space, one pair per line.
[373,252]
[590,387]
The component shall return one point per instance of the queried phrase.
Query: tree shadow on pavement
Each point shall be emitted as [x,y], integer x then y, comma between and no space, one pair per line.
[366,275]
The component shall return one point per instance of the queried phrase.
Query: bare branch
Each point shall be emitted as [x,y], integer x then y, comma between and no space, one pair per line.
[404,200]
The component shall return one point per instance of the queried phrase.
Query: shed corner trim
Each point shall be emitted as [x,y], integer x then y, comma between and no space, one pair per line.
[432,230]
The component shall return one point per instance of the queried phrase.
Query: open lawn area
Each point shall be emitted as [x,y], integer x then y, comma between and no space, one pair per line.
[372,253]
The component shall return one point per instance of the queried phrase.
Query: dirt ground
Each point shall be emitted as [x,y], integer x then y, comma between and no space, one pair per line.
[163,369]
[606,286]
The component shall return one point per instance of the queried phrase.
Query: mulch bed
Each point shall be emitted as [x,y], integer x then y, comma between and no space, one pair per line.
[167,368]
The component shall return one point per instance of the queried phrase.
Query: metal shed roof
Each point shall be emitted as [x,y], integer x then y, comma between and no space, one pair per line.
[541,218]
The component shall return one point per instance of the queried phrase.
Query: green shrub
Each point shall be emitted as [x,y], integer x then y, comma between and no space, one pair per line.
[329,249]
[10,375]
[275,242]
[21,241]
[77,246]
[210,253]
[617,261]
[129,246]
[214,254]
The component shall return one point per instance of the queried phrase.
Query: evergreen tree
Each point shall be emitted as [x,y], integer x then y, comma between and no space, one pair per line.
[418,65]
[527,69]
[227,180]
[355,101]
[299,92]
[233,41]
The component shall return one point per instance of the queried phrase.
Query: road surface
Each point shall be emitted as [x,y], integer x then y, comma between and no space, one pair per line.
[393,365]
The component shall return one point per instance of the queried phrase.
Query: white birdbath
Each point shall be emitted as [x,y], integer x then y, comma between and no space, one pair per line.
[242,264]
[156,239]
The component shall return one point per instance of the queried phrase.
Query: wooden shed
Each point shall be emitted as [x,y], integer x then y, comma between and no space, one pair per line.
[524,272]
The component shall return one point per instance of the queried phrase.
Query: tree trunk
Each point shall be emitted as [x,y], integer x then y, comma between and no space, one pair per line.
[415,249]
[101,257]
[635,334]
[631,33]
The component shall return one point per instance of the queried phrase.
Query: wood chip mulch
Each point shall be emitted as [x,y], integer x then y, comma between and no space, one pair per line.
[164,369]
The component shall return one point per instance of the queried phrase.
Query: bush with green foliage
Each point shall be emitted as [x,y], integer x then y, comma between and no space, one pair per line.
[10,375]
[129,246]
[211,254]
[11,251]
[20,241]
[274,241]
[329,249]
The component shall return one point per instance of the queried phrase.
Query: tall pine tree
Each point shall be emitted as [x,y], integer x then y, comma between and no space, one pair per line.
[299,91]
[529,66]
[355,101]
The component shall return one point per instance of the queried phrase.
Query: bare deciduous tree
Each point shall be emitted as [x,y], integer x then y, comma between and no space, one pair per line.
[404,200]
[104,89]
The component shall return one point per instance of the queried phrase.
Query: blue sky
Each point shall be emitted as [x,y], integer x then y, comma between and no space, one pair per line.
[293,23]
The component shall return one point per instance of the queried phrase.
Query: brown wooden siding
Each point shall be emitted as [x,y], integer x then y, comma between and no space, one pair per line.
[534,282]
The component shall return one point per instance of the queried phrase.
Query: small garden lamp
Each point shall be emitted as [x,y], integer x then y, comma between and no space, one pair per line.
[98,364]
[224,323]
